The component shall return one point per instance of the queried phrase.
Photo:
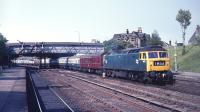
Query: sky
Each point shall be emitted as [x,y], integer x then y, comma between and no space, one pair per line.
[65,20]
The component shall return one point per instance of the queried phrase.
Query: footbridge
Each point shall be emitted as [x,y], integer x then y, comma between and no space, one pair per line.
[52,49]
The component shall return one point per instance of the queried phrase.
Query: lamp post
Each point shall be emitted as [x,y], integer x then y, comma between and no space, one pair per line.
[78,36]
[175,57]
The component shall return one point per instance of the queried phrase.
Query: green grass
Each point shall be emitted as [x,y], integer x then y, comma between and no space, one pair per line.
[189,62]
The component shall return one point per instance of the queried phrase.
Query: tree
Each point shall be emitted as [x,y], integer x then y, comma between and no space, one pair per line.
[116,45]
[183,17]
[3,51]
[155,39]
[95,41]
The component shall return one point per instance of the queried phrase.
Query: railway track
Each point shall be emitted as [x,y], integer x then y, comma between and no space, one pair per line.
[193,79]
[110,92]
[40,97]
[62,100]
[190,81]
[178,99]
[187,87]
[93,97]
[136,96]
[185,84]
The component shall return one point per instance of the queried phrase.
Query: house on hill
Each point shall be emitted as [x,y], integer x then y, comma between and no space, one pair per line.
[192,40]
[136,38]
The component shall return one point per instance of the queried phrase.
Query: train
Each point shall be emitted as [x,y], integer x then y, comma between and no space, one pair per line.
[26,61]
[148,64]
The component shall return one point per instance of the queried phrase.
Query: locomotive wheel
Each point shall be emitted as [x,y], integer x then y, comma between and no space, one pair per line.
[129,76]
[112,75]
[141,77]
[108,73]
[146,78]
[133,76]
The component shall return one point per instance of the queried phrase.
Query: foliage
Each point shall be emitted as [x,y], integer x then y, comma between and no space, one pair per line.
[155,39]
[95,41]
[183,17]
[116,45]
[188,62]
[3,51]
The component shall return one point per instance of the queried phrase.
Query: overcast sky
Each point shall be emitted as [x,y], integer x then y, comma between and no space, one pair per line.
[62,20]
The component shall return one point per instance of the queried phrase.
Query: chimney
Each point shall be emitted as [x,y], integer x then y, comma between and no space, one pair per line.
[127,32]
[140,29]
[170,43]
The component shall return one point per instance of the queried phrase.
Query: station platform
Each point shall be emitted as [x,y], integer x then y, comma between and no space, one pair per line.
[13,90]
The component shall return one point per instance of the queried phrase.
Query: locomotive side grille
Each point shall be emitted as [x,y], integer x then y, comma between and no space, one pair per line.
[159,63]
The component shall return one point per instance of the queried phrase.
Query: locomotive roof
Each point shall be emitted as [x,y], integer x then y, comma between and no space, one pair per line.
[137,50]
[153,48]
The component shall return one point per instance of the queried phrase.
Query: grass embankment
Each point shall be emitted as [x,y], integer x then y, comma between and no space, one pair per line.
[190,62]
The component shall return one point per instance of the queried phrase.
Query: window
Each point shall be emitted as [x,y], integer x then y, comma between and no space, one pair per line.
[153,55]
[144,56]
[163,54]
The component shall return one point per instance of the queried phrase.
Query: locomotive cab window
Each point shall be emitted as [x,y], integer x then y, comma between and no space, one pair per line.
[152,55]
[143,56]
[163,55]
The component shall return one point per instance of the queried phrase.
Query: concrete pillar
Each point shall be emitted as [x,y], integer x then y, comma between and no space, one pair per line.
[1,69]
[40,62]
[45,63]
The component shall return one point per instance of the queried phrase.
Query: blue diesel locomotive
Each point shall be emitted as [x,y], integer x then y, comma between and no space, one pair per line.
[148,64]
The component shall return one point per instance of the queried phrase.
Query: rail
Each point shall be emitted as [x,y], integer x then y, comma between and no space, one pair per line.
[61,99]
[36,102]
[174,109]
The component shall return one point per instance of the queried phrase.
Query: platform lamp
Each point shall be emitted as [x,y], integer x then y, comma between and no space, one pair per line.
[175,57]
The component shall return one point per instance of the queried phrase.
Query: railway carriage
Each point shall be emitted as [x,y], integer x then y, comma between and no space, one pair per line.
[62,62]
[26,61]
[73,63]
[91,63]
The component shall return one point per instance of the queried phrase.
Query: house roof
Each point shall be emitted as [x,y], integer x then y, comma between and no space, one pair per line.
[193,38]
[133,34]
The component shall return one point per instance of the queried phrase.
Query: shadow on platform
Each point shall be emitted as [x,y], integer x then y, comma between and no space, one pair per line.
[13,101]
